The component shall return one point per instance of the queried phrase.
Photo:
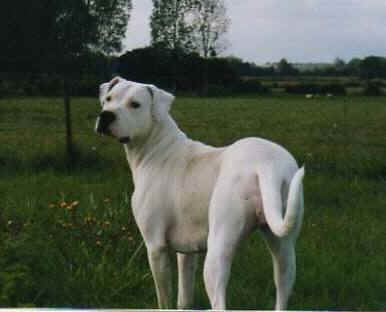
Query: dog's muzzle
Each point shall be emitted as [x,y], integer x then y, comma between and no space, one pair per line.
[104,120]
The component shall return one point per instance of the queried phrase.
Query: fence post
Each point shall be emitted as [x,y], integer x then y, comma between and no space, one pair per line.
[68,123]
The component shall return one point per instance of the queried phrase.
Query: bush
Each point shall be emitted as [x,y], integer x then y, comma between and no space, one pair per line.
[334,88]
[303,89]
[372,89]
[250,87]
[218,90]
[48,85]
[87,86]
[240,87]
[352,84]
[5,88]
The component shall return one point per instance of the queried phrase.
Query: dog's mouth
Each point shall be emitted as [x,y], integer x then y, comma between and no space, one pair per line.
[124,140]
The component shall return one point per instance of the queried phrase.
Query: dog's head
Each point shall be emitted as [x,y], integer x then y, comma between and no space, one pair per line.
[130,109]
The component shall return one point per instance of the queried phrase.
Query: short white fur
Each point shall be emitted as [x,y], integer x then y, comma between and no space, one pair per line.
[190,197]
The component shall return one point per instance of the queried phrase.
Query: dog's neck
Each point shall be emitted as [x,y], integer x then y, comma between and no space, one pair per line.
[164,134]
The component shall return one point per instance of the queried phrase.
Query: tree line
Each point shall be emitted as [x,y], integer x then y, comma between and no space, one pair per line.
[47,45]
[370,67]
[176,72]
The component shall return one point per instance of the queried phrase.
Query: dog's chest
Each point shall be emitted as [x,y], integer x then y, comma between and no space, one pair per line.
[171,198]
[192,192]
[179,195]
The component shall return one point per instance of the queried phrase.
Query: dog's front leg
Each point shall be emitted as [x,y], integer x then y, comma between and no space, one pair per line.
[160,265]
[187,265]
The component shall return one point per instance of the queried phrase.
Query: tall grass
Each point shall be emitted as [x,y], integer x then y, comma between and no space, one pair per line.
[68,238]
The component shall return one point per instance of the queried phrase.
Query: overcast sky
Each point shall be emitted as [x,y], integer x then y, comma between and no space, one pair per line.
[299,30]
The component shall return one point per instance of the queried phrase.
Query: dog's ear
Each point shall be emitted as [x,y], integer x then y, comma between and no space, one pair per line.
[162,101]
[103,88]
[106,87]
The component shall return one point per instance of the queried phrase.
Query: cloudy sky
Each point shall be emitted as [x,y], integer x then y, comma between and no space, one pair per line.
[299,30]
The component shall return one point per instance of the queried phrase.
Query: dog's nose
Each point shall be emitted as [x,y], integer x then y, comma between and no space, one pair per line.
[104,121]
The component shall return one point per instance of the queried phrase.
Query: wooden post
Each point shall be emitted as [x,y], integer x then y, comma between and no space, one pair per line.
[205,80]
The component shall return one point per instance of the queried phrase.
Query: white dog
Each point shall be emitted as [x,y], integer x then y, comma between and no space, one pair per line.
[190,197]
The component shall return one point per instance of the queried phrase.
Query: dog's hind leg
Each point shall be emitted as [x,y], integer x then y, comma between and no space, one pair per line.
[231,217]
[284,267]
[218,261]
[187,265]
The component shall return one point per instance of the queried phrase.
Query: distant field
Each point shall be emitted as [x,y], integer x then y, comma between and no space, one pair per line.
[353,85]
[68,238]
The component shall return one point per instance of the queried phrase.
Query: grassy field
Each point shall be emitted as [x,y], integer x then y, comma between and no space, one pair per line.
[68,238]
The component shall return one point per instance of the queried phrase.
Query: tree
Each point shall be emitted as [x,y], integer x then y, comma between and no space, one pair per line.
[82,26]
[111,24]
[172,30]
[339,65]
[24,31]
[373,67]
[171,26]
[353,67]
[210,23]
[90,25]
[285,68]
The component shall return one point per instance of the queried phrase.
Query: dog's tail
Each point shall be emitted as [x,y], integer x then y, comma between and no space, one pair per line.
[273,205]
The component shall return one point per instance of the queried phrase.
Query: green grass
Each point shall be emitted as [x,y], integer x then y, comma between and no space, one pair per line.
[68,238]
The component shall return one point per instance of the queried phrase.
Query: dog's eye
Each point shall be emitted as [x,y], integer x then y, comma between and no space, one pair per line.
[135,105]
[108,99]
